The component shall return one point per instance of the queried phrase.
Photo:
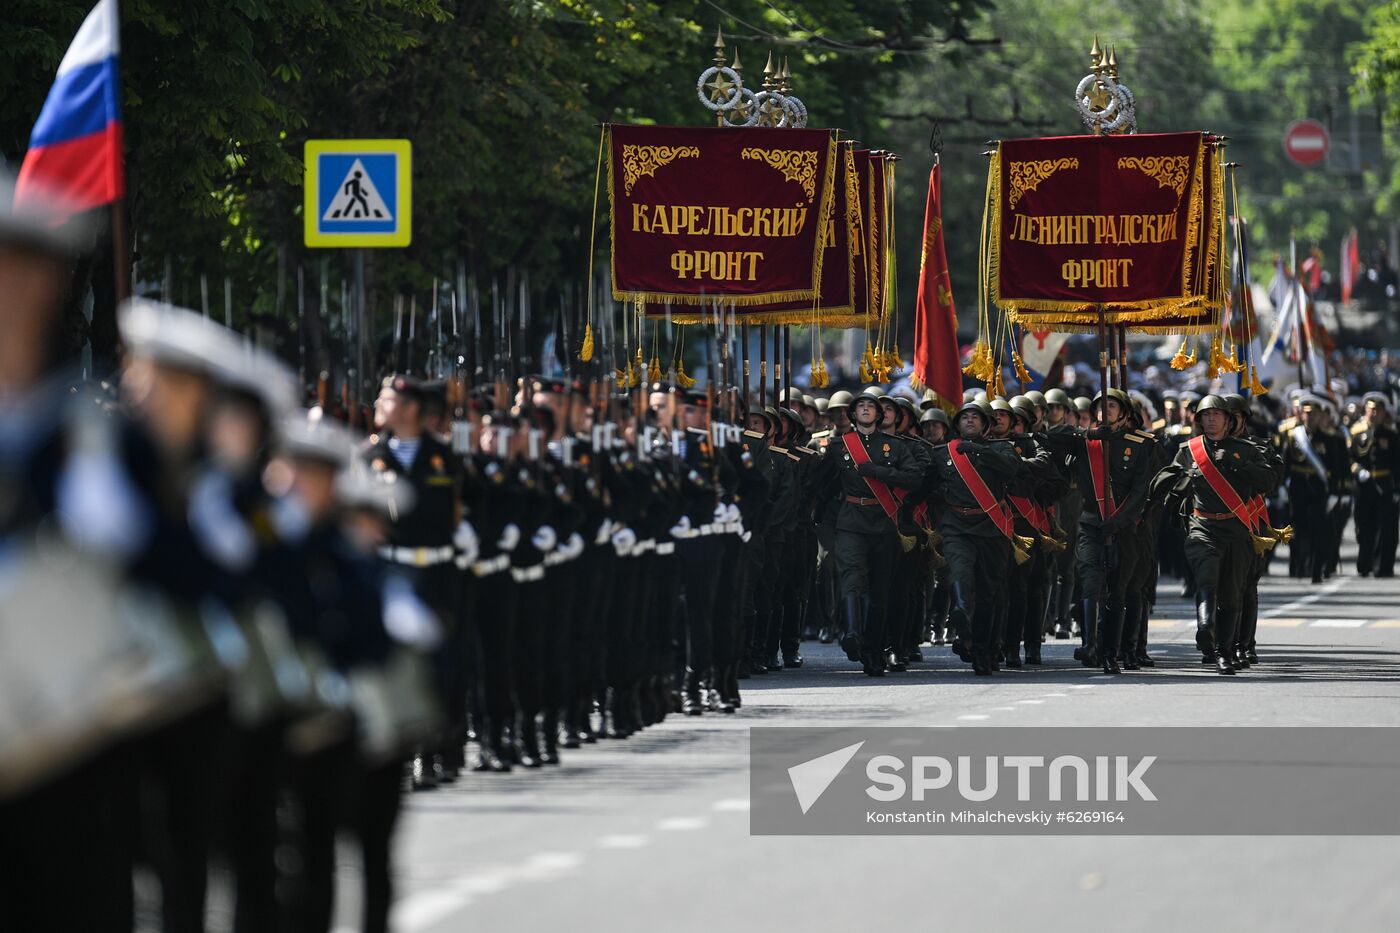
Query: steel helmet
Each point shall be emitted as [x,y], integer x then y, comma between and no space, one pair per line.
[936,415]
[1058,397]
[1213,402]
[840,399]
[1024,408]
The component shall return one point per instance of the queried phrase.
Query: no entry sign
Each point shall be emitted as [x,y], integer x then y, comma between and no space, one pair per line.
[1306,142]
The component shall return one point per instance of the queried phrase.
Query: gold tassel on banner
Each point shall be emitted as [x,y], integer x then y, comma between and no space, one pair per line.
[586,354]
[867,363]
[654,372]
[1180,361]
[683,379]
[1021,372]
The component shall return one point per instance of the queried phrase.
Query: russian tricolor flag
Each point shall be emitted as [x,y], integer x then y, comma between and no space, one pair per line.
[75,150]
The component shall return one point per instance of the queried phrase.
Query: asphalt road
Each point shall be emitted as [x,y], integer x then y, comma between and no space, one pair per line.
[652,833]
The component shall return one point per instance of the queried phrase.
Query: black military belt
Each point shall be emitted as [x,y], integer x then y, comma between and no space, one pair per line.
[1216,516]
[417,556]
[857,500]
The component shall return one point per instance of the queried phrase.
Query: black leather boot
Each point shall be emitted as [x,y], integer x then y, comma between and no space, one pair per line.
[1206,613]
[527,742]
[852,610]
[549,739]
[489,757]
[729,688]
[1088,652]
[1226,623]
[692,703]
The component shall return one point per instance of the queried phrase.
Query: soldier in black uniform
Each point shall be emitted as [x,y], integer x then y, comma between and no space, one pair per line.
[867,540]
[1107,549]
[1375,457]
[420,545]
[1306,453]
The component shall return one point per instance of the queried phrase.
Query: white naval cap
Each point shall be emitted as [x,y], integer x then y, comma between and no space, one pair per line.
[323,439]
[176,337]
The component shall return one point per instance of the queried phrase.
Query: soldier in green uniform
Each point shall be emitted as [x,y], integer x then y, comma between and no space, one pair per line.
[862,467]
[1208,482]
[1060,433]
[972,476]
[1114,468]
[1244,648]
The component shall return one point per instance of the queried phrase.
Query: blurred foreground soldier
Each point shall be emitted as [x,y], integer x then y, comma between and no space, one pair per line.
[1210,483]
[420,545]
[863,464]
[362,617]
[1375,458]
[71,700]
[175,358]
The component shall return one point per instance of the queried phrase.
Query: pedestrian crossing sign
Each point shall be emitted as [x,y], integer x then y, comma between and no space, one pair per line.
[358,192]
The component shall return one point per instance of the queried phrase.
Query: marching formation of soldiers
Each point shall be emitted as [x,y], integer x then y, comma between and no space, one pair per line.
[235,630]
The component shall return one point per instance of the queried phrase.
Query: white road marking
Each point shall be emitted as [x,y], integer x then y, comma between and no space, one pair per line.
[1030,702]
[731,804]
[1049,695]
[623,841]
[682,823]
[1339,623]
[973,716]
[427,908]
[1289,608]
[1001,709]
[1082,686]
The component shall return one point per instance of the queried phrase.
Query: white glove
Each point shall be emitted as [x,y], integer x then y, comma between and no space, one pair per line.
[682,529]
[406,618]
[466,541]
[734,515]
[574,546]
[623,540]
[1333,502]
[746,536]
[510,537]
[721,513]
[1363,475]
[544,539]
[605,531]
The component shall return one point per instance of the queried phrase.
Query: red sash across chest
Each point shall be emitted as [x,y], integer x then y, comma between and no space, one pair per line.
[995,510]
[889,500]
[1249,513]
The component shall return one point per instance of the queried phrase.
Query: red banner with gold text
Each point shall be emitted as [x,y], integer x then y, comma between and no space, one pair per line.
[1119,221]
[728,213]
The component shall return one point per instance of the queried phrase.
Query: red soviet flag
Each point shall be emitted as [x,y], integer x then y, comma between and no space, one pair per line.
[937,365]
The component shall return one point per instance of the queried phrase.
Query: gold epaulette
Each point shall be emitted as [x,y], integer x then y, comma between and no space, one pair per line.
[1135,437]
[1360,427]
[1159,424]
[806,450]
[1287,424]
[778,450]
[819,435]
[757,434]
